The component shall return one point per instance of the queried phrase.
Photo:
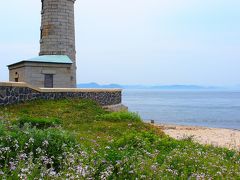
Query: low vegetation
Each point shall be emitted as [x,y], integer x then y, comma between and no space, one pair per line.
[120,117]
[41,123]
[77,139]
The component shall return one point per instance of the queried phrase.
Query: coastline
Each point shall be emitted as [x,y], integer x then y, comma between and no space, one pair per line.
[218,137]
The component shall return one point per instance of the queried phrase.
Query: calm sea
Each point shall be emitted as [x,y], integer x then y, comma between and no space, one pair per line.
[201,108]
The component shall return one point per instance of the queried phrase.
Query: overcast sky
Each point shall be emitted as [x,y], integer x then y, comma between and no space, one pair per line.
[137,41]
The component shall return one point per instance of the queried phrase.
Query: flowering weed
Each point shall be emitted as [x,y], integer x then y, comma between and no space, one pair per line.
[90,143]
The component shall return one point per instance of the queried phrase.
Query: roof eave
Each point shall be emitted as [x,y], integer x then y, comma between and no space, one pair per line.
[25,61]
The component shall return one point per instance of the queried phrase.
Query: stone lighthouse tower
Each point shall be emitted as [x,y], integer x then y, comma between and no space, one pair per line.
[55,67]
[58,31]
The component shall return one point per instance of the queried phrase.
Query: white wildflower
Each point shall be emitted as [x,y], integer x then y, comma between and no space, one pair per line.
[45,143]
[38,150]
[31,140]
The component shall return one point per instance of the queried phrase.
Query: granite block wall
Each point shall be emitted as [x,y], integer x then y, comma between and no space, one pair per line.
[19,94]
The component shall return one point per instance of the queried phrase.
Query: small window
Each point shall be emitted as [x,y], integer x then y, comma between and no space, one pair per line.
[16,77]
[48,80]
[41,35]
[42,6]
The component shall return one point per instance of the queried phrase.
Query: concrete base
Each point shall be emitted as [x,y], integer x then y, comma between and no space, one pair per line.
[116,108]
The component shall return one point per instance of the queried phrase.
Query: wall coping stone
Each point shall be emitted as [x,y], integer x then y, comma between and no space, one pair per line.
[18,84]
[52,90]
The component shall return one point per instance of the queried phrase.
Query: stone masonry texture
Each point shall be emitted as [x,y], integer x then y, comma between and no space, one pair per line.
[33,73]
[58,31]
[14,95]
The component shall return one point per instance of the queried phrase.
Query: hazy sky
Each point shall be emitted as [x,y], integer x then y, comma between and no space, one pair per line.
[137,41]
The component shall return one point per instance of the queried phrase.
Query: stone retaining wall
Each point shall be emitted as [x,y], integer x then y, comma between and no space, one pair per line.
[13,93]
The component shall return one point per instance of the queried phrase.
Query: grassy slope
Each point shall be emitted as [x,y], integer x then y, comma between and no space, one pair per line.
[79,117]
[160,155]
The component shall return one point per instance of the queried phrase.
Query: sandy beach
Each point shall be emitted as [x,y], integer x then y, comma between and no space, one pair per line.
[228,138]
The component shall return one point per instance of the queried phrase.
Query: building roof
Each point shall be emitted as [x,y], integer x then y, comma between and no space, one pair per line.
[58,59]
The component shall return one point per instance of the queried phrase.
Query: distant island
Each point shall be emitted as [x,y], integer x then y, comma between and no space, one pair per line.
[160,87]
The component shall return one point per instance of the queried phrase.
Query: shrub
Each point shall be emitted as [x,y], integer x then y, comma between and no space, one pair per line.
[39,122]
[120,116]
[50,142]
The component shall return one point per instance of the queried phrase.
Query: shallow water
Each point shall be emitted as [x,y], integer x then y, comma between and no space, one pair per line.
[200,108]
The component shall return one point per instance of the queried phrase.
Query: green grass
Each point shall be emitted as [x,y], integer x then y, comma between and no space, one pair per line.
[119,116]
[108,145]
[38,122]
